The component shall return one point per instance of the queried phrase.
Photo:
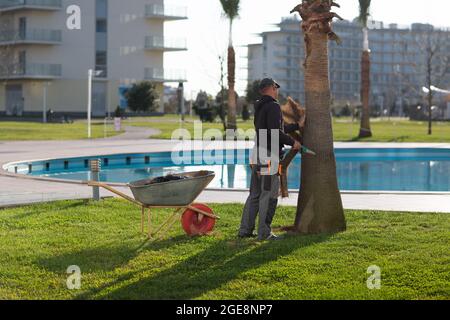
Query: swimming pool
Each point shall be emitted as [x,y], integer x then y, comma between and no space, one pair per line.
[359,169]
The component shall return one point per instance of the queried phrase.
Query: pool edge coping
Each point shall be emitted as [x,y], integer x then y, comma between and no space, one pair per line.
[5,173]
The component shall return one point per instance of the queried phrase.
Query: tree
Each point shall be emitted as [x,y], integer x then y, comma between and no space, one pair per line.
[319,207]
[219,102]
[424,64]
[231,11]
[245,113]
[252,92]
[221,112]
[434,45]
[365,131]
[141,97]
[203,107]
[118,113]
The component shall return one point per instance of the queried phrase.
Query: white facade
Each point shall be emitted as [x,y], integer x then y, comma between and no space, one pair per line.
[123,40]
[255,60]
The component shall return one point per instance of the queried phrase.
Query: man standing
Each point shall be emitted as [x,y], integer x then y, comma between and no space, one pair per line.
[264,186]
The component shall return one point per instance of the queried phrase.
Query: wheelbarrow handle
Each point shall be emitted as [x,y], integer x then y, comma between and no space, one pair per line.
[111,189]
[203,212]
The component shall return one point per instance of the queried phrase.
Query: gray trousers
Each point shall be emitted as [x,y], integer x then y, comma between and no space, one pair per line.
[263,199]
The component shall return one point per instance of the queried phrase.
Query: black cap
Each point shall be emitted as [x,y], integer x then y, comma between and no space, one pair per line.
[267,82]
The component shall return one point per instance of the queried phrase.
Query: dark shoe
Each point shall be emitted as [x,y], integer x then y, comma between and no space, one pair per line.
[273,237]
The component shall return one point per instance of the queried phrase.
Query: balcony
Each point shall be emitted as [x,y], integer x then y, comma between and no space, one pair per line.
[44,5]
[164,75]
[157,11]
[32,36]
[30,71]
[164,44]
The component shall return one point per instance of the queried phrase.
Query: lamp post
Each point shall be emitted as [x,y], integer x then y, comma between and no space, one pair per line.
[95,167]
[181,100]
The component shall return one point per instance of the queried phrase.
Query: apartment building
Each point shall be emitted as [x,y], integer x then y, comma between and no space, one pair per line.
[397,69]
[45,62]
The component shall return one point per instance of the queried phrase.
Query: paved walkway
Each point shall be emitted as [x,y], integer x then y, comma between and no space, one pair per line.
[135,133]
[22,190]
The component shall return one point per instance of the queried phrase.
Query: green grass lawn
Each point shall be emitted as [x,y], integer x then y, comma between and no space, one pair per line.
[344,129]
[393,131]
[39,242]
[12,131]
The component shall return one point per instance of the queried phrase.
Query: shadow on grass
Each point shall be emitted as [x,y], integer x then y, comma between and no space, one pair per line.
[62,207]
[90,260]
[107,258]
[208,270]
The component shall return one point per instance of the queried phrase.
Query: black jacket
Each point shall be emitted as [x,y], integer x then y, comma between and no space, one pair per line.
[268,116]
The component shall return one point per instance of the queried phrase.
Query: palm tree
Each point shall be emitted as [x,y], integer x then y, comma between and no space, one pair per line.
[231,11]
[365,131]
[319,207]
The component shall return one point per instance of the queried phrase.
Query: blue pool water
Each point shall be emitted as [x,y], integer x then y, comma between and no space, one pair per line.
[358,169]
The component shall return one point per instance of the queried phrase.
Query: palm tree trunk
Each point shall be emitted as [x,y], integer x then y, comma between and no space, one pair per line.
[231,121]
[365,131]
[320,207]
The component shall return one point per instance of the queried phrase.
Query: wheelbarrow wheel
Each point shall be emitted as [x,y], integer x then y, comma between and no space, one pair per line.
[194,223]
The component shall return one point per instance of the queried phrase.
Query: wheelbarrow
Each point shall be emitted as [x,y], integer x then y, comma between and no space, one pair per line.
[196,218]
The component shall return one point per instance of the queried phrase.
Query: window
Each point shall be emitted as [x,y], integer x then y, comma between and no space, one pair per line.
[22,55]
[22,27]
[100,58]
[101,7]
[101,26]
[101,63]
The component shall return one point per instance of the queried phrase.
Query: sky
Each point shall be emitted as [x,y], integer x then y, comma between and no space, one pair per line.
[206,32]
